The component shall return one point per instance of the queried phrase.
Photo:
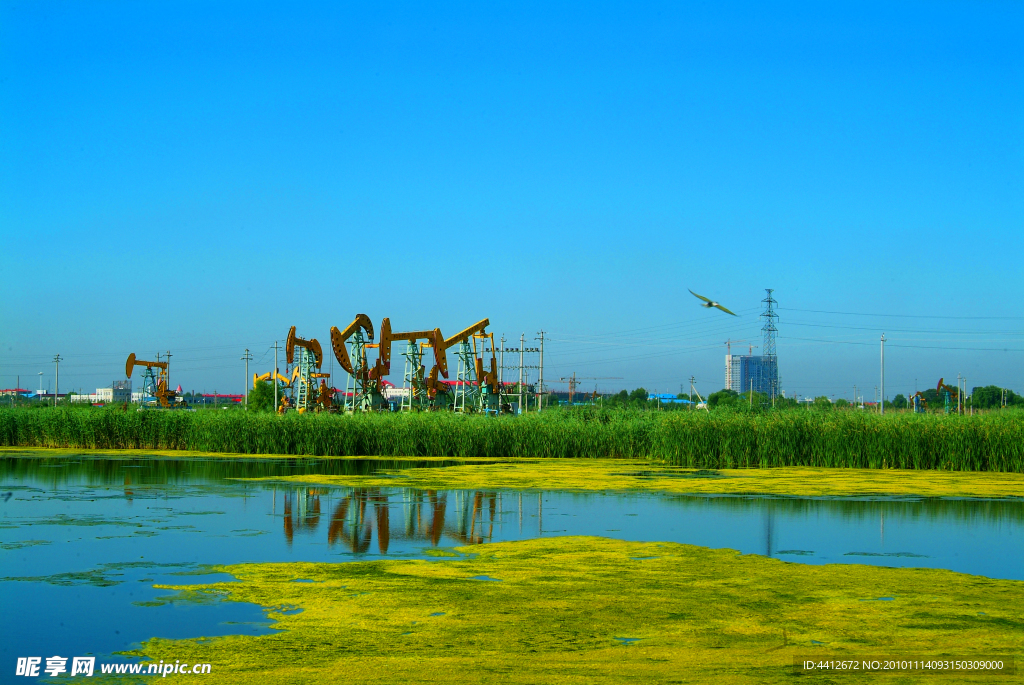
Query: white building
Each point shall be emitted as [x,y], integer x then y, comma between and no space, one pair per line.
[119,392]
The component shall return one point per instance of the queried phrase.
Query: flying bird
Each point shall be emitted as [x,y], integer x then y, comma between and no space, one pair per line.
[709,304]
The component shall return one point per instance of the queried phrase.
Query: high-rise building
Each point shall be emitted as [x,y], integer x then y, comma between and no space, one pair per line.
[759,373]
[748,371]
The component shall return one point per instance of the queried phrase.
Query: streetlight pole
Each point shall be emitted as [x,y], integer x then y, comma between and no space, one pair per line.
[247,357]
[523,397]
[882,404]
[40,394]
[56,383]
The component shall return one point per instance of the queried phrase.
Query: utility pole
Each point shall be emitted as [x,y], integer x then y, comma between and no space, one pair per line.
[167,371]
[882,405]
[522,390]
[501,365]
[248,358]
[540,384]
[699,398]
[854,396]
[274,375]
[751,393]
[958,394]
[56,384]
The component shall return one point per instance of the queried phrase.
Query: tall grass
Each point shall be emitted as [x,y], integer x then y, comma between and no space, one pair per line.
[991,442]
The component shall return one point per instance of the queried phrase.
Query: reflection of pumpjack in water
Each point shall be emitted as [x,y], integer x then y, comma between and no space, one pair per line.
[349,525]
[466,530]
[307,514]
[352,523]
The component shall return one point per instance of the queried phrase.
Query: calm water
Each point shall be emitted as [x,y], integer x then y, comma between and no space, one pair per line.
[83,541]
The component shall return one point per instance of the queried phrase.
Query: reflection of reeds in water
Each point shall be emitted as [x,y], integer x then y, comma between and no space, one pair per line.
[858,509]
[86,470]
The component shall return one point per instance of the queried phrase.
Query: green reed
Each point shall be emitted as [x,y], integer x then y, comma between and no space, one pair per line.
[990,442]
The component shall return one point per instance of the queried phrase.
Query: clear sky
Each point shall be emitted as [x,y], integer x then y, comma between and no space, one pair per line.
[200,176]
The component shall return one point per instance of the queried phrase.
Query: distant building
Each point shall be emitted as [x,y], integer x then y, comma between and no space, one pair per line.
[667,398]
[749,371]
[216,398]
[119,392]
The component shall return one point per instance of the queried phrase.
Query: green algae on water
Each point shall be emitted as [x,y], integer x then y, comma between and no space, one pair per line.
[697,615]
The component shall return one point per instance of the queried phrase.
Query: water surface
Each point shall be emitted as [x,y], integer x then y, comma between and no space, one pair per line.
[83,540]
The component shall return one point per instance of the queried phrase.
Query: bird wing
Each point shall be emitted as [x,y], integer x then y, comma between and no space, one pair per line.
[724,309]
[699,296]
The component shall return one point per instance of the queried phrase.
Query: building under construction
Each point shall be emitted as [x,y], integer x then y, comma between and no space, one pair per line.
[759,373]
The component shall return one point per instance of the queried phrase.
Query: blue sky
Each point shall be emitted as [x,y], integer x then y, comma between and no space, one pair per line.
[200,176]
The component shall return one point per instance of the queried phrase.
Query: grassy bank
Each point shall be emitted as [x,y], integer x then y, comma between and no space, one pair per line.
[557,608]
[991,442]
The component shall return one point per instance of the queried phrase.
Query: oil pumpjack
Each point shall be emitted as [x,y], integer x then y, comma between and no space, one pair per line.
[415,395]
[362,393]
[310,391]
[155,384]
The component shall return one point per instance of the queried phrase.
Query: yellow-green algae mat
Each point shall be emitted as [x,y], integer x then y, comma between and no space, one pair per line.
[625,475]
[549,611]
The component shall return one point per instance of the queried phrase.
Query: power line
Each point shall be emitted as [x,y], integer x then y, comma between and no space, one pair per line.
[906,316]
[917,347]
[902,330]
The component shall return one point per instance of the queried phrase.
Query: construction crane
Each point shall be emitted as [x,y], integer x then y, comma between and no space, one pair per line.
[728,361]
[728,346]
[574,380]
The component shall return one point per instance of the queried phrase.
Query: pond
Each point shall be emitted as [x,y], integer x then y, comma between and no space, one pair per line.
[83,540]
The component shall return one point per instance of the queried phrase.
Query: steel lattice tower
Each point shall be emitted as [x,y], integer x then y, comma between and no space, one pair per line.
[769,362]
